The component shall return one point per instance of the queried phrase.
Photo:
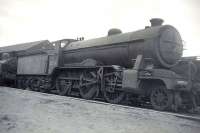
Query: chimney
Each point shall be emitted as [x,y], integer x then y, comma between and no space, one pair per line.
[156,22]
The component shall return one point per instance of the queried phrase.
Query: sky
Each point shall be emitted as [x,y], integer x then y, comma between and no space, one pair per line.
[32,20]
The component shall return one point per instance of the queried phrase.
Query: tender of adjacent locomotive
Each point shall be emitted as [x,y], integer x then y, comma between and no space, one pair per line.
[8,59]
[119,67]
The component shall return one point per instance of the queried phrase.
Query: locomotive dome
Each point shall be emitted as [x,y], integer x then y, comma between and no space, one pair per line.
[114,31]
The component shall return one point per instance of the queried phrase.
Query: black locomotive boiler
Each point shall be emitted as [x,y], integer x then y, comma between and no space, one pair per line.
[118,68]
[161,43]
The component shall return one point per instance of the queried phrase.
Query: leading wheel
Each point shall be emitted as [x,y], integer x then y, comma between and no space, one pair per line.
[112,91]
[63,85]
[161,98]
[89,87]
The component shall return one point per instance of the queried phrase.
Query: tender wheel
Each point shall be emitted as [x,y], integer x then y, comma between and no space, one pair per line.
[161,98]
[63,85]
[34,84]
[112,91]
[22,83]
[19,83]
[89,87]
[28,84]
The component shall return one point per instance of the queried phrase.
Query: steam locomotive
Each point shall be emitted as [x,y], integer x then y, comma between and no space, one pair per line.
[144,65]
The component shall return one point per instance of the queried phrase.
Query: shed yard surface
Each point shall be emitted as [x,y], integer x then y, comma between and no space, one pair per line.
[24,111]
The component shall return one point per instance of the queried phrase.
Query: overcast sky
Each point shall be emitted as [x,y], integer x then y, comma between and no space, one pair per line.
[32,20]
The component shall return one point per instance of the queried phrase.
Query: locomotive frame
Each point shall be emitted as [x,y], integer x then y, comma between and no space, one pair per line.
[162,87]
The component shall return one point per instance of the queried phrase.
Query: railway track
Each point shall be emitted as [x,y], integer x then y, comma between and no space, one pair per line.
[142,106]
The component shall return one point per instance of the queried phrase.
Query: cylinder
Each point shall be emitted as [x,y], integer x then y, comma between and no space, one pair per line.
[163,44]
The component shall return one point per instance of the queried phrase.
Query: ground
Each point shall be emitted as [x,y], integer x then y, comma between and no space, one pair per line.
[33,112]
